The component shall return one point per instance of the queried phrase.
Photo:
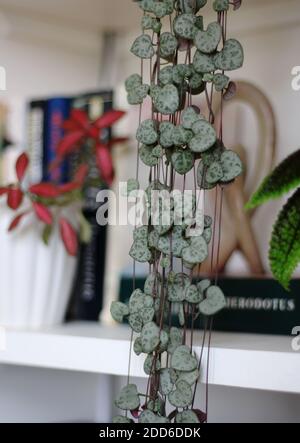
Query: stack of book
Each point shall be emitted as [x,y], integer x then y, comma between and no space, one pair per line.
[45,131]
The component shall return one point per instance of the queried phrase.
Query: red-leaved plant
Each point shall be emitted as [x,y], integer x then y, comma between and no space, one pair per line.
[43,198]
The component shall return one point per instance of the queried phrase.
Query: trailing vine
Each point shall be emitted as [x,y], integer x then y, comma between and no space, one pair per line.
[177,139]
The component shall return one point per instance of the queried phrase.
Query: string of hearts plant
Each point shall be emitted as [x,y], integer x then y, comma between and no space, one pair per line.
[50,201]
[185,60]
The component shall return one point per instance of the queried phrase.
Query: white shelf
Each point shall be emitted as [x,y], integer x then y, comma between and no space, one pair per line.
[240,360]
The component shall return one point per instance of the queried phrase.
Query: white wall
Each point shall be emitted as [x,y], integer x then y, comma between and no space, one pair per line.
[43,59]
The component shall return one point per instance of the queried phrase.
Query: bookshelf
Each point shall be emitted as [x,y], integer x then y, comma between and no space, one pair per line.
[250,361]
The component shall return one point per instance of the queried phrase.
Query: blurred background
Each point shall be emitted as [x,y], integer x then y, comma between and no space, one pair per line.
[79,49]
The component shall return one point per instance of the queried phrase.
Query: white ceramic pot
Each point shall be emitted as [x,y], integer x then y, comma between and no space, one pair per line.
[35,279]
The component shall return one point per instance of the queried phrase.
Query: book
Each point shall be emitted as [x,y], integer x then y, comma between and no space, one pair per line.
[57,111]
[35,139]
[253,305]
[87,295]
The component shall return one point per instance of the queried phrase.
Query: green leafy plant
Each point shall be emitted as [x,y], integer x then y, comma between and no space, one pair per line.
[185,60]
[284,253]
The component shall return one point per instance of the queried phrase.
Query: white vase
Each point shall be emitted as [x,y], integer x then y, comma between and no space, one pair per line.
[35,279]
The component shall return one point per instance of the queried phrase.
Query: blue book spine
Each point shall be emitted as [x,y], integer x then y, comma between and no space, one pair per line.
[57,111]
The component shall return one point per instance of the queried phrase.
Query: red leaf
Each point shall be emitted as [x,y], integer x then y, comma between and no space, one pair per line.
[69,237]
[81,173]
[16,221]
[108,119]
[46,190]
[70,126]
[79,117]
[69,143]
[105,163]
[68,187]
[3,191]
[42,213]
[14,198]
[93,132]
[22,165]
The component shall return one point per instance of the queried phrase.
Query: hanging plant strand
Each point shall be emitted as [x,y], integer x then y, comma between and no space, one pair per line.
[187,58]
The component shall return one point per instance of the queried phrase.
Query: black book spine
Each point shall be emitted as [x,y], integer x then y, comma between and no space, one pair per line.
[87,295]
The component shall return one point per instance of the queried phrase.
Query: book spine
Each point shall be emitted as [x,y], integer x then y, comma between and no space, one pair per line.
[88,283]
[87,297]
[57,111]
[35,139]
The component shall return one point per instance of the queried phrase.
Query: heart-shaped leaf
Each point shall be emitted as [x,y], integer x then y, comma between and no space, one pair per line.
[205,136]
[152,283]
[139,251]
[168,44]
[221,5]
[215,301]
[147,22]
[133,81]
[118,311]
[184,26]
[147,315]
[181,136]
[197,84]
[176,337]
[207,41]
[207,235]
[149,366]
[214,173]
[166,75]
[201,177]
[136,301]
[166,380]
[196,252]
[220,81]
[191,6]
[232,166]
[136,96]
[137,346]
[150,337]
[147,132]
[203,285]
[189,377]
[164,340]
[193,295]
[231,57]
[189,117]
[178,287]
[147,157]
[142,47]
[128,398]
[166,101]
[182,161]
[182,396]
[135,322]
[203,62]
[183,360]
[166,130]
